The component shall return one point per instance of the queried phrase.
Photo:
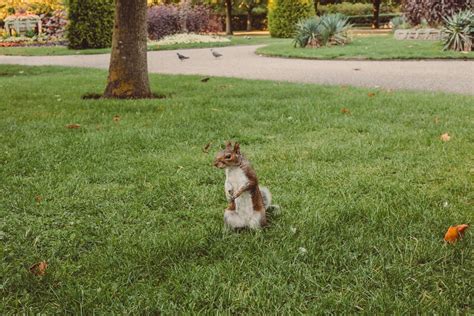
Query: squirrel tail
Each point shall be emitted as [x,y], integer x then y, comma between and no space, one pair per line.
[267,197]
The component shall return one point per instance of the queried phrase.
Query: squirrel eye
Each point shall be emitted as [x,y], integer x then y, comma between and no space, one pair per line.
[227,156]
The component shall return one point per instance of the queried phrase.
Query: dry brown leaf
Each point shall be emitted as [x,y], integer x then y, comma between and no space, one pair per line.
[206,148]
[38,198]
[445,137]
[116,118]
[71,126]
[39,268]
[371,94]
[345,111]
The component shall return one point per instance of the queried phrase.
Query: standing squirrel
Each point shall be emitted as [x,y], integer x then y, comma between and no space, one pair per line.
[247,201]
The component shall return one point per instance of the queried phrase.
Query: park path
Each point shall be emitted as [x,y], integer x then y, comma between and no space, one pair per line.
[242,62]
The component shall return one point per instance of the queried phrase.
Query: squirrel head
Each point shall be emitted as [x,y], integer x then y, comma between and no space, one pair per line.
[229,157]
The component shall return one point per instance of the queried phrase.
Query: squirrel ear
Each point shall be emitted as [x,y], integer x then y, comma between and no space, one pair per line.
[237,148]
[228,145]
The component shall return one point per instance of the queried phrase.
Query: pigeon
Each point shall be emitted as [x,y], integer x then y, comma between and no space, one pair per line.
[215,54]
[182,57]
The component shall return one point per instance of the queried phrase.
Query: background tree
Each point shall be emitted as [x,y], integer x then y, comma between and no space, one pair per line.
[128,70]
[376,23]
[228,17]
[248,6]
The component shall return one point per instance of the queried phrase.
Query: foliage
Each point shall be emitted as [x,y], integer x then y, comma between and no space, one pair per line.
[459,31]
[399,22]
[284,15]
[31,6]
[90,23]
[433,11]
[330,29]
[350,9]
[164,20]
[55,25]
[190,38]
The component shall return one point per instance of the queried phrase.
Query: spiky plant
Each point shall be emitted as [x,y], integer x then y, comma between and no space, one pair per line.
[329,29]
[459,31]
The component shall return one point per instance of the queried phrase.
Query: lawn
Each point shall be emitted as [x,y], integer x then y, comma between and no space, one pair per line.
[62,50]
[127,211]
[367,47]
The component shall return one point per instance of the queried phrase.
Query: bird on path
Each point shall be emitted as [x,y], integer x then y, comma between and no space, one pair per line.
[215,54]
[182,57]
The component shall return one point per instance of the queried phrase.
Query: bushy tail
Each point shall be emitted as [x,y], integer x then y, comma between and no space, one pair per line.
[267,197]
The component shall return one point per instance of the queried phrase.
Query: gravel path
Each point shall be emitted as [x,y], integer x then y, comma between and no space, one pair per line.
[241,61]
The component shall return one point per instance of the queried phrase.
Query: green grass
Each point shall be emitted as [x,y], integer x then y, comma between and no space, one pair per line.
[62,50]
[369,47]
[130,217]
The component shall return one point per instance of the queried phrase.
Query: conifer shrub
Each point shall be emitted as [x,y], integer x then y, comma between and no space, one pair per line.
[91,23]
[284,15]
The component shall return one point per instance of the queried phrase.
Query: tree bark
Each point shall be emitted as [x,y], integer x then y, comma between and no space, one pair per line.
[128,70]
[375,22]
[249,19]
[228,17]
[315,3]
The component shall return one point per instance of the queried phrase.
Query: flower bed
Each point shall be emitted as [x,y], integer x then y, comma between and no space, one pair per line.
[22,41]
[189,38]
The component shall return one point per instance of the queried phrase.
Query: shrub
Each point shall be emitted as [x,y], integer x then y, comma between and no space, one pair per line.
[330,29]
[459,31]
[55,25]
[353,9]
[433,11]
[162,20]
[90,23]
[285,14]
[399,22]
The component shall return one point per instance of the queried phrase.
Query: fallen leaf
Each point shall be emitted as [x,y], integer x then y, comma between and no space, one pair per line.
[371,94]
[205,79]
[345,111]
[39,268]
[206,148]
[455,232]
[116,118]
[356,69]
[436,120]
[71,126]
[461,228]
[38,198]
[445,137]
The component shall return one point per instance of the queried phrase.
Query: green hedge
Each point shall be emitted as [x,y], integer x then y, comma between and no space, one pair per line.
[364,20]
[91,23]
[350,9]
[285,14]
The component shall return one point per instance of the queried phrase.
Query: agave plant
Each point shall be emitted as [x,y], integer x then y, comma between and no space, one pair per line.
[329,29]
[459,31]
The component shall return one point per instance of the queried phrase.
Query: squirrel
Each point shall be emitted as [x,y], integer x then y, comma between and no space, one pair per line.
[247,200]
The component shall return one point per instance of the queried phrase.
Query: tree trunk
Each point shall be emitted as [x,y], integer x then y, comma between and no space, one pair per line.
[228,17]
[128,70]
[375,23]
[315,3]
[249,19]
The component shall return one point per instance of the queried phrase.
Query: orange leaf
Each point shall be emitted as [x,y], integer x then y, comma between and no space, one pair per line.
[39,268]
[345,111]
[445,137]
[455,232]
[371,94]
[71,126]
[461,228]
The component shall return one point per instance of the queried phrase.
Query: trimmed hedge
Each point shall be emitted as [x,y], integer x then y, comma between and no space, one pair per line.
[285,14]
[91,23]
[364,20]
